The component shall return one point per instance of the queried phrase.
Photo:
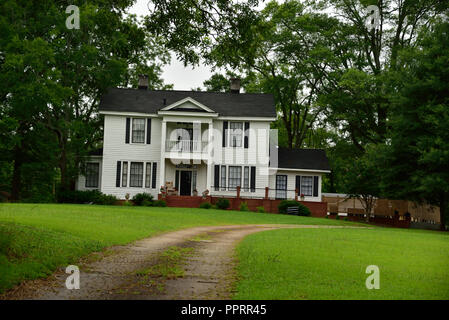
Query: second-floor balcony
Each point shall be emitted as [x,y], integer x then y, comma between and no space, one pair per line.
[188,146]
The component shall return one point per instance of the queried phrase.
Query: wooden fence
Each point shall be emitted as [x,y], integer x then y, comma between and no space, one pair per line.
[341,203]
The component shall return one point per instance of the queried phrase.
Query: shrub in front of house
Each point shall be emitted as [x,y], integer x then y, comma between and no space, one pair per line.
[302,209]
[223,204]
[139,198]
[261,209]
[106,199]
[244,206]
[159,203]
[205,205]
[89,196]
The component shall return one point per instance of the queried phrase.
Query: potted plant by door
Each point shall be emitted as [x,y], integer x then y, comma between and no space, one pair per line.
[302,196]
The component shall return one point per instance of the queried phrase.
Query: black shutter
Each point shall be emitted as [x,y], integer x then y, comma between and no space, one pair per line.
[154,175]
[128,126]
[149,131]
[217,177]
[298,184]
[119,171]
[246,141]
[225,129]
[177,180]
[315,186]
[253,179]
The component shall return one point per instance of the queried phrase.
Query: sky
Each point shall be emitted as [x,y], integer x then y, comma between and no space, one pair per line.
[183,78]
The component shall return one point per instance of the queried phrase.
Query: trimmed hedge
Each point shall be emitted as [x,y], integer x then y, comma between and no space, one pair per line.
[205,205]
[223,204]
[244,206]
[143,199]
[261,209]
[302,209]
[89,196]
[159,203]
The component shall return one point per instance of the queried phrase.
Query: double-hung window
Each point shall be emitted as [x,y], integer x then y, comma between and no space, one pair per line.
[125,174]
[246,179]
[236,134]
[148,175]
[235,177]
[223,178]
[136,175]
[306,185]
[92,174]
[138,130]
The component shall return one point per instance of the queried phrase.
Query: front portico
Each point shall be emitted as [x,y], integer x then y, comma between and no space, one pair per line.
[187,128]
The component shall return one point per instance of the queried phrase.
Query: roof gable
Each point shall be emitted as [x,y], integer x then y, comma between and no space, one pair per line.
[187,104]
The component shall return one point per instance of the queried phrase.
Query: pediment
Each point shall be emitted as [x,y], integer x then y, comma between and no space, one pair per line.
[187,105]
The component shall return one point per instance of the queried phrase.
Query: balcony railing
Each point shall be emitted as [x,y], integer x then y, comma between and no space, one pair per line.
[185,146]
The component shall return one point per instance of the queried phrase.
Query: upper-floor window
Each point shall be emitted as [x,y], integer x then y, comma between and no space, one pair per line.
[236,134]
[138,130]
[92,174]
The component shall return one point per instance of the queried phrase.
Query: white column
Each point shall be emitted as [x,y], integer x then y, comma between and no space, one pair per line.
[162,164]
[209,158]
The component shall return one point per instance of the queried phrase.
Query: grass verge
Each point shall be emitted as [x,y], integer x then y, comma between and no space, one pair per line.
[331,264]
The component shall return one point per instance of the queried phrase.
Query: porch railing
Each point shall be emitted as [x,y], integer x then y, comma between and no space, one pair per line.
[268,193]
[185,146]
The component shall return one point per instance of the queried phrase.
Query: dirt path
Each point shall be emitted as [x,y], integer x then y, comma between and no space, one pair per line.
[196,263]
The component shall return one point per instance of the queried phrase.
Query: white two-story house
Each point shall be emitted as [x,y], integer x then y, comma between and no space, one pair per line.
[191,142]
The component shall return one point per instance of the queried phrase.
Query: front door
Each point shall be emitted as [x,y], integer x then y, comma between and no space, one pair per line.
[186,183]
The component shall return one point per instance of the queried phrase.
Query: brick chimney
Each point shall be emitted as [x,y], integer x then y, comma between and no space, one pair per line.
[235,85]
[143,81]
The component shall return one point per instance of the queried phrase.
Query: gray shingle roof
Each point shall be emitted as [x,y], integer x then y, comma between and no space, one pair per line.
[225,104]
[310,159]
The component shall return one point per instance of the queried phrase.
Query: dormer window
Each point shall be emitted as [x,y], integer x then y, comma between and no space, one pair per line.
[138,130]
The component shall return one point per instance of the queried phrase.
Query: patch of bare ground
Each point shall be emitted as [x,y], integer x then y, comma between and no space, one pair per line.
[196,263]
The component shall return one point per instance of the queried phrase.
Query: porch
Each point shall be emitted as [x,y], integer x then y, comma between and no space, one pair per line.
[270,205]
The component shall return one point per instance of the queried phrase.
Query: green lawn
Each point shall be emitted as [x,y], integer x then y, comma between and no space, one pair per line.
[35,239]
[331,264]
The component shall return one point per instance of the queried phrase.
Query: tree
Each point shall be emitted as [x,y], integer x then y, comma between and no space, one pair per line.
[416,157]
[283,55]
[359,102]
[361,181]
[52,80]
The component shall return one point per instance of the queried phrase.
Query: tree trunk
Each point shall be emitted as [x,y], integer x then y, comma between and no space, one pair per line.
[17,175]
[63,169]
[443,204]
